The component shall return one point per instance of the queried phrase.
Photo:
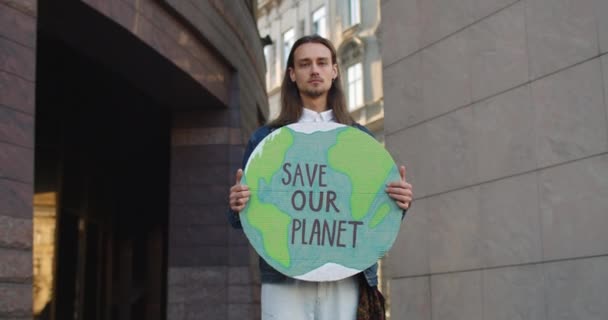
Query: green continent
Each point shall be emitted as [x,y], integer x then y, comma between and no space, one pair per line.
[271,222]
[367,174]
[379,215]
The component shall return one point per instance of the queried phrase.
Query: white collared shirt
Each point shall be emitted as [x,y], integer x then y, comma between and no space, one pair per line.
[309,116]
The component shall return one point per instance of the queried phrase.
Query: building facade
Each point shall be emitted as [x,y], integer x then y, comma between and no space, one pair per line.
[351,25]
[121,126]
[498,109]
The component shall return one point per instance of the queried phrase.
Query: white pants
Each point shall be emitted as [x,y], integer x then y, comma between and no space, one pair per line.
[303,300]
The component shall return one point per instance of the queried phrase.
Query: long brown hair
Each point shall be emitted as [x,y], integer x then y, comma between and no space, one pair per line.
[291,103]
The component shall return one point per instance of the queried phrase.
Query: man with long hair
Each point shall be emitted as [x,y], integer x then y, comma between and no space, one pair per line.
[311,92]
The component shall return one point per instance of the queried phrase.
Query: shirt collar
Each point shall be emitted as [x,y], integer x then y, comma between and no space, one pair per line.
[313,116]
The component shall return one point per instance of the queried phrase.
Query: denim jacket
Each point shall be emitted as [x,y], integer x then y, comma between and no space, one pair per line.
[268,273]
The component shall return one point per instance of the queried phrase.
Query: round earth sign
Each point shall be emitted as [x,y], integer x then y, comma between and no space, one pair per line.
[318,209]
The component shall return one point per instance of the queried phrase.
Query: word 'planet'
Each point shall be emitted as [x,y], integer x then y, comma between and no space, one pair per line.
[318,209]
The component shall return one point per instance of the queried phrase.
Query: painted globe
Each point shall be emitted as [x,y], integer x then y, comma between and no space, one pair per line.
[318,209]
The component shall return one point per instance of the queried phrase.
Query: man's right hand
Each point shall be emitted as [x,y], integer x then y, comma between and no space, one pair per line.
[239,194]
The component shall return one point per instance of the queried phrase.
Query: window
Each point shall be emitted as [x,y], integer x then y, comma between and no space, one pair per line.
[354,12]
[288,40]
[355,86]
[319,22]
[302,28]
[270,64]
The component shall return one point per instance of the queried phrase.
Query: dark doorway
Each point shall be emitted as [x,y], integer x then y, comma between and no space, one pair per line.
[103,150]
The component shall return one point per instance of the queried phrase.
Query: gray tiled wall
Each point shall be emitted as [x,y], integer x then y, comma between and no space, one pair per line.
[498,109]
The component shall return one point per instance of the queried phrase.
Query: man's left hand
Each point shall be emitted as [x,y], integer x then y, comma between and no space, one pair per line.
[401,191]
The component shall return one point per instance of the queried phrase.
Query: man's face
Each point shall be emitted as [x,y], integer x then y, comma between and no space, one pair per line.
[313,69]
